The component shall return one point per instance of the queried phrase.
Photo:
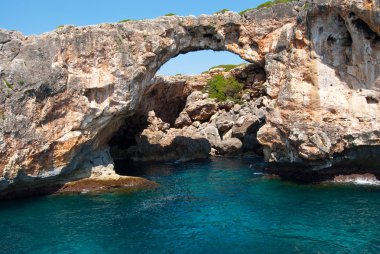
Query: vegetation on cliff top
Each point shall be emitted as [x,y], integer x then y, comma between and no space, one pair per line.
[222,11]
[267,4]
[125,20]
[226,67]
[170,14]
[222,88]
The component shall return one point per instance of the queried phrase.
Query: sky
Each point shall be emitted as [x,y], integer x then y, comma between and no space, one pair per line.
[39,16]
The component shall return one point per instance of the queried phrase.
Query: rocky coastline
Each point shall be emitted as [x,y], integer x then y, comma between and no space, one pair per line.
[75,99]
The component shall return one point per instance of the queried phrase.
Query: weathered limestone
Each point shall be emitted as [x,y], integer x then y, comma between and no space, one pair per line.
[158,142]
[231,129]
[324,96]
[199,109]
[66,92]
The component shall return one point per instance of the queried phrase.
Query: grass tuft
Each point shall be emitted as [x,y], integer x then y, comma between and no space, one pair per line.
[8,84]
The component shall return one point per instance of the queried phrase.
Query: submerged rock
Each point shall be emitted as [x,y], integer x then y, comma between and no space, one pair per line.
[97,185]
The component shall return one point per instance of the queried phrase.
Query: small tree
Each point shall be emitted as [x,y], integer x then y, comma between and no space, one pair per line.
[222,88]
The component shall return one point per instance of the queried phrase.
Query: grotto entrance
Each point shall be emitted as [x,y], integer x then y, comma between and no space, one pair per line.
[180,117]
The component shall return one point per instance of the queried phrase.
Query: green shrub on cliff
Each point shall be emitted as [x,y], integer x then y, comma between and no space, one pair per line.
[169,14]
[246,10]
[226,67]
[222,11]
[124,20]
[8,84]
[267,4]
[222,88]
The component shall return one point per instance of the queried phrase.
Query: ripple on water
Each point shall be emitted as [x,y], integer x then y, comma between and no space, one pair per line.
[218,206]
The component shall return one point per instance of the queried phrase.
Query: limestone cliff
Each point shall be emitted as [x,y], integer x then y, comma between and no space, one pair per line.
[66,92]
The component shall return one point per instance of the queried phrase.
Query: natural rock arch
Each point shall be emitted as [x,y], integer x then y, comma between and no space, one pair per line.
[66,92]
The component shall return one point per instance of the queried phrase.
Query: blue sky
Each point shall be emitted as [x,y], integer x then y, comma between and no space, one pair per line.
[39,16]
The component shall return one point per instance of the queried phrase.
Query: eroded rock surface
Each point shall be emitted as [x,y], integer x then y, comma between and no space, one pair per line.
[66,92]
[214,128]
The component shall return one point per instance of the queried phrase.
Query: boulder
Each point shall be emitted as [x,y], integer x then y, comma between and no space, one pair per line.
[175,144]
[228,146]
[224,122]
[182,120]
[211,134]
[245,125]
[155,123]
[201,110]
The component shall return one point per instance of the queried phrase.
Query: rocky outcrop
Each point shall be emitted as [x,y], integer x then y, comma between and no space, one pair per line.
[143,136]
[324,108]
[224,130]
[65,93]
[158,142]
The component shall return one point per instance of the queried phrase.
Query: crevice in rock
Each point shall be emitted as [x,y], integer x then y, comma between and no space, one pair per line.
[166,98]
[347,45]
[371,100]
[368,33]
[99,94]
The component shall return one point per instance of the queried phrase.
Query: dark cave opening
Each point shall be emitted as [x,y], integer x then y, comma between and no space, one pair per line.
[368,33]
[167,100]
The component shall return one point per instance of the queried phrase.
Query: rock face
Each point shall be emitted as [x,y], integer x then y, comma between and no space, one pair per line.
[326,102]
[214,128]
[65,93]
[158,142]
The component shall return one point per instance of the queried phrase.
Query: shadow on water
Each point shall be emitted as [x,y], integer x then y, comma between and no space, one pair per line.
[147,169]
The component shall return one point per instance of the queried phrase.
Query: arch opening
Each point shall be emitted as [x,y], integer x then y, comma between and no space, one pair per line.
[194,63]
[179,119]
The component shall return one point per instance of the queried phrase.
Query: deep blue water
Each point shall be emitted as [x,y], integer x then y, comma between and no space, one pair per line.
[219,206]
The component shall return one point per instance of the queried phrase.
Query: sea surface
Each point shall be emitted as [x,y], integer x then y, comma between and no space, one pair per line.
[215,206]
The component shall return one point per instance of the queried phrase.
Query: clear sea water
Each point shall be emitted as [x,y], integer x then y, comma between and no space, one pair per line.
[217,206]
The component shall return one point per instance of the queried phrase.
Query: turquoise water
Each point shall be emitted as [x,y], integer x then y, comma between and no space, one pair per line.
[219,206]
